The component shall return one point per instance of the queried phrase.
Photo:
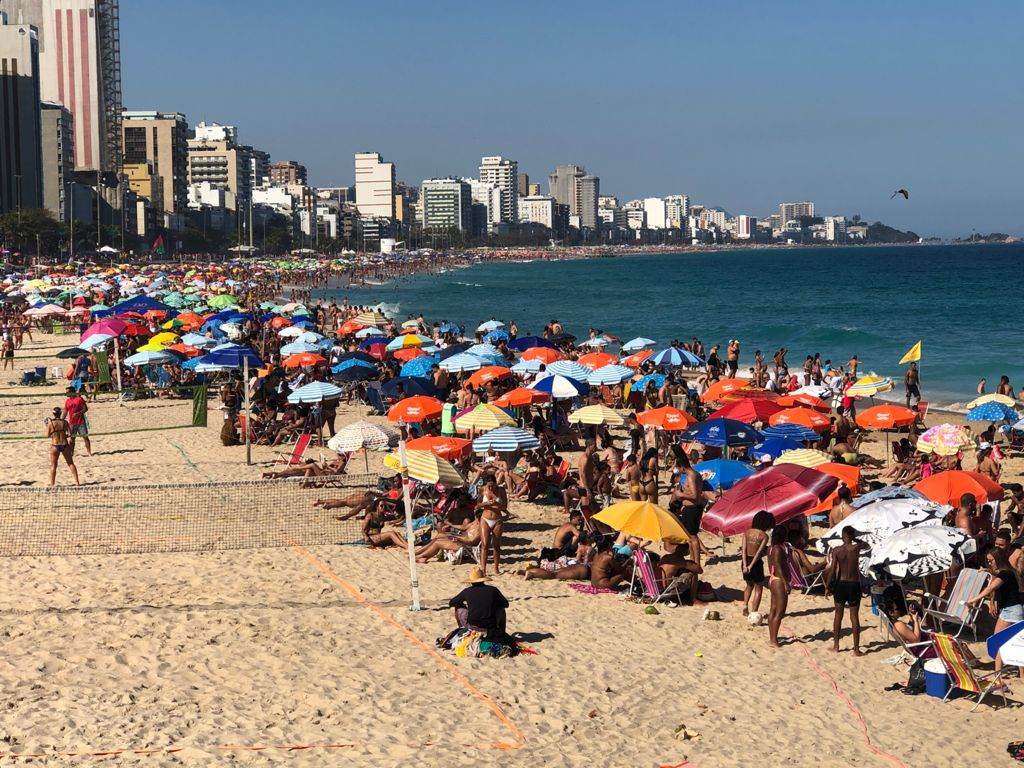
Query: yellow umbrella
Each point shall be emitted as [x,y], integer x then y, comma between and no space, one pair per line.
[483,418]
[163,339]
[803,457]
[596,414]
[373,317]
[642,519]
[149,346]
[427,467]
[1009,402]
[870,385]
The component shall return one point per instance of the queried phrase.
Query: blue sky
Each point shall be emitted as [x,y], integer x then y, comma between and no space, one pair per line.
[741,105]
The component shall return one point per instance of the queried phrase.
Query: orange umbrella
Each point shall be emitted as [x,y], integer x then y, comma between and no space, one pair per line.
[451,448]
[636,360]
[185,349]
[723,387]
[667,418]
[848,476]
[280,322]
[543,354]
[595,360]
[521,396]
[488,373]
[806,400]
[750,393]
[947,487]
[886,417]
[303,358]
[805,417]
[190,320]
[348,327]
[408,353]
[415,409]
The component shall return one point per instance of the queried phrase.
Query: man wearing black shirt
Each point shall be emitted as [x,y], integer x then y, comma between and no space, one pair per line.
[481,606]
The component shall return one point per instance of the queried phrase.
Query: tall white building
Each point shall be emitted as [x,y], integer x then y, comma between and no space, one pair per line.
[375,186]
[835,229]
[746,227]
[504,174]
[488,195]
[447,204]
[677,207]
[655,212]
[711,216]
[538,209]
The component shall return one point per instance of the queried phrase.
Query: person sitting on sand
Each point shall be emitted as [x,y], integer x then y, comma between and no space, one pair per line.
[910,628]
[677,561]
[481,607]
[373,530]
[450,539]
[606,572]
[556,564]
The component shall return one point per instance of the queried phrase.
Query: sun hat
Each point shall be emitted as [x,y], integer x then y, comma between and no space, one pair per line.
[476,576]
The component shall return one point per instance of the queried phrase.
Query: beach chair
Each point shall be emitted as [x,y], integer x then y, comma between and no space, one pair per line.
[909,652]
[954,610]
[957,661]
[298,449]
[922,408]
[815,581]
[376,402]
[643,570]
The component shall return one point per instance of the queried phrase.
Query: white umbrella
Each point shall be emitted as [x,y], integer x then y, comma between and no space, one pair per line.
[635,345]
[461,362]
[364,436]
[570,369]
[610,374]
[920,551]
[876,522]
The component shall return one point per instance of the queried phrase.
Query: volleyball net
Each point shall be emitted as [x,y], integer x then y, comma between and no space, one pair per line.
[201,517]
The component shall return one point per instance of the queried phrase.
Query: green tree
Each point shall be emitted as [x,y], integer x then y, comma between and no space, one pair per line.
[31,230]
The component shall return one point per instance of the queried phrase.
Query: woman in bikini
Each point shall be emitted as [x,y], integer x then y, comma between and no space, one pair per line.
[649,476]
[778,582]
[452,540]
[375,535]
[59,432]
[755,543]
[492,518]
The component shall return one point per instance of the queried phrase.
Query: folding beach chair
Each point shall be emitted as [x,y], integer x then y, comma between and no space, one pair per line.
[643,570]
[957,661]
[815,581]
[909,652]
[295,457]
[954,609]
[922,408]
[375,401]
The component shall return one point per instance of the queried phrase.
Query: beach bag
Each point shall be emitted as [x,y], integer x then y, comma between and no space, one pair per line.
[915,680]
[70,373]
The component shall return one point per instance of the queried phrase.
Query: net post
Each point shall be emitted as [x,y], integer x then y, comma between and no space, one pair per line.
[117,361]
[248,412]
[410,538]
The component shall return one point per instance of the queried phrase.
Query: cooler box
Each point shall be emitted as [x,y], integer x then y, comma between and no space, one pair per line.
[936,681]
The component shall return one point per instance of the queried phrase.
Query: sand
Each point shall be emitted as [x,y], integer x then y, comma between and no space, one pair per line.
[188,654]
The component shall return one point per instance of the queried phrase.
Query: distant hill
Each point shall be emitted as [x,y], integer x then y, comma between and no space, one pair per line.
[882,233]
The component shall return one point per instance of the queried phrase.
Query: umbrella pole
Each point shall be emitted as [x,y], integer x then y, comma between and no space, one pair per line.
[366,460]
[248,411]
[410,539]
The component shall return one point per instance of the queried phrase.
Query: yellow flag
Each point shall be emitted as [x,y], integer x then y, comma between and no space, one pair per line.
[913,354]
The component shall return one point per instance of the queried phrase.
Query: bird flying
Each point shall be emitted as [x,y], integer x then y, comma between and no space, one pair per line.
[901,191]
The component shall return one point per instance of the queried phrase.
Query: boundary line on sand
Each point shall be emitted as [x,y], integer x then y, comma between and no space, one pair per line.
[505,720]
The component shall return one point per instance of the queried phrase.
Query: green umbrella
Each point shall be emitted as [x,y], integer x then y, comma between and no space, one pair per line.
[222,301]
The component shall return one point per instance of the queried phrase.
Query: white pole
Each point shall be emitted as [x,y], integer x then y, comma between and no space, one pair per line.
[248,412]
[409,537]
[117,361]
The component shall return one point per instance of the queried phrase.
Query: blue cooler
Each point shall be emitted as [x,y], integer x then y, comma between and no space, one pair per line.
[936,681]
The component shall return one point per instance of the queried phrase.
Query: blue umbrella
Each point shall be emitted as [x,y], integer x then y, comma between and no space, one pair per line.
[454,349]
[449,328]
[723,432]
[561,387]
[419,366]
[299,346]
[499,334]
[610,374]
[993,412]
[358,356]
[641,384]
[490,325]
[356,373]
[635,345]
[483,350]
[506,439]
[315,392]
[462,362]
[231,356]
[352,362]
[523,343]
[569,369]
[409,385]
[674,356]
[795,432]
[527,366]
[722,474]
[773,447]
[369,342]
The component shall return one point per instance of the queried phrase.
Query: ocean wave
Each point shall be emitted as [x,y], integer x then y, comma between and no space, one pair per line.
[468,285]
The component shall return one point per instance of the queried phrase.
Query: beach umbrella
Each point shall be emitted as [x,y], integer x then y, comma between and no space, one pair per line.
[523,343]
[302,359]
[637,358]
[291,332]
[488,374]
[364,436]
[994,397]
[635,345]
[427,467]
[315,392]
[353,362]
[506,439]
[497,335]
[596,414]
[674,357]
[369,332]
[231,356]
[947,487]
[723,474]
[643,520]
[409,353]
[1008,644]
[407,340]
[791,432]
[598,342]
[371,317]
[406,386]
[722,433]
[356,373]
[797,400]
[803,457]
[299,346]
[560,387]
[846,474]
[595,360]
[150,358]
[70,353]
[748,411]
[450,448]
[44,310]
[358,355]
[461,362]
[803,417]
[454,349]
[222,301]
[722,387]
[545,355]
[992,412]
[870,385]
[610,374]
[875,522]
[483,417]
[772,448]
[520,397]
[750,393]
[420,367]
[449,328]
[490,325]
[570,369]
[886,417]
[415,409]
[920,551]
[526,366]
[641,384]
[668,418]
[110,326]
[887,492]
[785,492]
[944,440]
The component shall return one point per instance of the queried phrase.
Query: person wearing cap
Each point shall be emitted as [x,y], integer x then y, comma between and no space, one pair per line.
[481,606]
[987,464]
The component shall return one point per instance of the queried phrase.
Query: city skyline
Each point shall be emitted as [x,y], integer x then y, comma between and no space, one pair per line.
[851,113]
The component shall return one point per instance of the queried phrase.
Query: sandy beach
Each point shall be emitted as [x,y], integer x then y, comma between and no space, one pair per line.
[310,656]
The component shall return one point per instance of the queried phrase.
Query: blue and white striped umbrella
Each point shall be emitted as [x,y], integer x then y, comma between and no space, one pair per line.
[310,337]
[505,440]
[369,331]
[499,334]
[597,342]
[640,342]
[490,325]
[483,350]
[462,362]
[148,358]
[792,431]
[315,392]
[569,369]
[674,357]
[527,366]
[298,346]
[560,387]
[992,412]
[610,374]
[198,340]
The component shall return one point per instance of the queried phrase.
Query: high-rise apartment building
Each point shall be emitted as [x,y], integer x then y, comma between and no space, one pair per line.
[589,192]
[746,227]
[523,185]
[655,211]
[259,166]
[712,217]
[538,209]
[375,186]
[677,208]
[489,196]
[572,186]
[504,174]
[285,172]
[161,140]
[795,211]
[21,160]
[145,182]
[447,204]
[214,158]
[58,149]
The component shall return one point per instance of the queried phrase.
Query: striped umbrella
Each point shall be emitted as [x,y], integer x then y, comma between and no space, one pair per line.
[674,356]
[484,350]
[315,392]
[427,467]
[635,345]
[569,369]
[527,366]
[795,432]
[920,551]
[610,374]
[870,385]
[596,414]
[506,440]
[364,436]
[560,387]
[803,457]
[462,362]
[372,317]
[482,418]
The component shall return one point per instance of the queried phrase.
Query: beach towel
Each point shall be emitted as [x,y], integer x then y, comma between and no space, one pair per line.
[590,589]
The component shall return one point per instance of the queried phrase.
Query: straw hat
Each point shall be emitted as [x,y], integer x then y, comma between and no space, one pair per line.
[476,576]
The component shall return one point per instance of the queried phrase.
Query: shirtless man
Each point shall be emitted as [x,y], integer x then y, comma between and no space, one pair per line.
[732,357]
[587,467]
[605,572]
[842,507]
[676,561]
[912,383]
[842,577]
[851,366]
[690,492]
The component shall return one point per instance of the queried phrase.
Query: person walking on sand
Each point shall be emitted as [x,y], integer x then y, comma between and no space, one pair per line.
[75,409]
[842,579]
[59,432]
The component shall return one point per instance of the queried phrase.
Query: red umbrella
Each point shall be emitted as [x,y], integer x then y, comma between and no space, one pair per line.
[786,491]
[747,411]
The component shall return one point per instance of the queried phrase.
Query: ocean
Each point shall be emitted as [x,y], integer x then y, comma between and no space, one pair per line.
[873,302]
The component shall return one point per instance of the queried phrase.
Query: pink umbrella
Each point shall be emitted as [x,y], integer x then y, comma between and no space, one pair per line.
[785,491]
[111,326]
